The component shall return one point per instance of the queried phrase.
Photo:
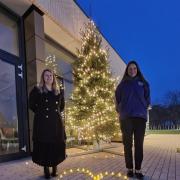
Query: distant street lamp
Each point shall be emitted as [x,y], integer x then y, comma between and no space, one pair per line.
[147,124]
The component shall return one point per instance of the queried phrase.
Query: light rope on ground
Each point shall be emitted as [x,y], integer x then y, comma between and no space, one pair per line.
[87,172]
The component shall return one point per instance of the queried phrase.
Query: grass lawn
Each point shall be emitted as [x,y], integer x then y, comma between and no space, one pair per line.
[163,131]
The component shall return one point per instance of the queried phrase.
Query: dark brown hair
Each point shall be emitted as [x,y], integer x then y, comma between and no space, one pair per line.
[139,74]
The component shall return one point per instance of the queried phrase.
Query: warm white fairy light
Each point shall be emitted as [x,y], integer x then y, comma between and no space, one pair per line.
[50,62]
[101,114]
[87,172]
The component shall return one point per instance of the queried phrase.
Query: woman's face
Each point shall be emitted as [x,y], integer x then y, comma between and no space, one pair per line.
[132,70]
[48,78]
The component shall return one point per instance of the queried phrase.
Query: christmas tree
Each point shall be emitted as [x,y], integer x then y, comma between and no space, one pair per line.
[91,113]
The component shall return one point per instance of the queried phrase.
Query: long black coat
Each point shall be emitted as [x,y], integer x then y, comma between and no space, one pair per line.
[48,126]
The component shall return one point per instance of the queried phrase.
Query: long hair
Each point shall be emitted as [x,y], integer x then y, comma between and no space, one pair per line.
[139,74]
[42,86]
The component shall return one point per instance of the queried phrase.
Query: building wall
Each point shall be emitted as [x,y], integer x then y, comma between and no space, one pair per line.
[63,20]
[70,19]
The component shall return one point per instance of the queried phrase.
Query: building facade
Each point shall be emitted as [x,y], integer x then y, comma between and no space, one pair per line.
[30,32]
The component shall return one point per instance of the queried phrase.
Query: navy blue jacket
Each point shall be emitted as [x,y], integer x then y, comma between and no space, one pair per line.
[132,98]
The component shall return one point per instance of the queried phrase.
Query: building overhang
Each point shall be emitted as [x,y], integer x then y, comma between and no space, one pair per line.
[51,28]
[18,6]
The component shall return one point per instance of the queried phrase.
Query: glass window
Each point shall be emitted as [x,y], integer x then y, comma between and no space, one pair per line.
[9,142]
[64,67]
[66,71]
[8,35]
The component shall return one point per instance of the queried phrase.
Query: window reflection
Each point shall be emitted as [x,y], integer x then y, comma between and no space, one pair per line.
[8,35]
[8,110]
[66,71]
[64,67]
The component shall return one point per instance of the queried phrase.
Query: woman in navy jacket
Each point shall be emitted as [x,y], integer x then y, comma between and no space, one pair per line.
[132,101]
[47,103]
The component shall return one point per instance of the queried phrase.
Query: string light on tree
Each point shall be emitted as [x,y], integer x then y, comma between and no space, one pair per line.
[91,111]
[50,62]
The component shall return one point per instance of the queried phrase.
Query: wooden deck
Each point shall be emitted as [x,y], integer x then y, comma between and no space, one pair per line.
[161,162]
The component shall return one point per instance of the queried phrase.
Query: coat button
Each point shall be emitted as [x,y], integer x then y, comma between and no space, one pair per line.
[46,116]
[46,100]
[56,110]
[47,109]
[56,102]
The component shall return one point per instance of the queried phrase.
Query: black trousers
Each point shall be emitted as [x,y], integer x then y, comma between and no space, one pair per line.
[133,127]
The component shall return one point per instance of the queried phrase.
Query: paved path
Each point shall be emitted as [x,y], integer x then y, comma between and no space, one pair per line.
[161,162]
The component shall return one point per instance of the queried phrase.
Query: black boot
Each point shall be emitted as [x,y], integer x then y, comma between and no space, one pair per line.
[54,171]
[130,173]
[139,174]
[46,172]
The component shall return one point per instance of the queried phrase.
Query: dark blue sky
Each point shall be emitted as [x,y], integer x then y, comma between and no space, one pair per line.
[145,31]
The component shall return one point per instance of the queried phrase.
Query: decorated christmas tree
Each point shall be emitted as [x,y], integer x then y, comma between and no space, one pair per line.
[91,113]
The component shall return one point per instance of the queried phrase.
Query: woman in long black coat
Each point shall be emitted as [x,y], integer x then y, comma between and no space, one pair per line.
[47,103]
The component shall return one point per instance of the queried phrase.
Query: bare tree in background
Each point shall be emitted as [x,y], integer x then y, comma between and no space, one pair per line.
[172,98]
[166,115]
